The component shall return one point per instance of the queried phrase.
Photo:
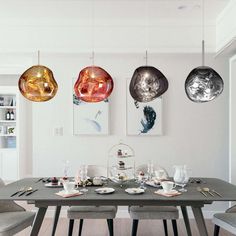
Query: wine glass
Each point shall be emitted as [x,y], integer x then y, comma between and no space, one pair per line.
[66,167]
[150,169]
[77,179]
[141,178]
[83,177]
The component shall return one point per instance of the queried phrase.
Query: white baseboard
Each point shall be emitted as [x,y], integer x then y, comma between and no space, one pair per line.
[123,213]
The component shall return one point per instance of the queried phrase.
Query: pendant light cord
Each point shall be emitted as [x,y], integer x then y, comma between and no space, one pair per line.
[38,57]
[93,25]
[146,30]
[203,33]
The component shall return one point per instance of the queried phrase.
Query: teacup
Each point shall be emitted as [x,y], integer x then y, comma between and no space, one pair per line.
[167,186]
[68,186]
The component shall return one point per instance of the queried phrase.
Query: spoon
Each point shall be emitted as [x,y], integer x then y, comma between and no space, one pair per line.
[200,190]
[207,190]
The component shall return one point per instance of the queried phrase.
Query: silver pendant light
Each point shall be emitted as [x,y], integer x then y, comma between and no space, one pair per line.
[147,82]
[203,84]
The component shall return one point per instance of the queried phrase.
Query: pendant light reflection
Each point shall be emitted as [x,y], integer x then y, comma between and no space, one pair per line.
[37,83]
[94,84]
[147,83]
[203,84]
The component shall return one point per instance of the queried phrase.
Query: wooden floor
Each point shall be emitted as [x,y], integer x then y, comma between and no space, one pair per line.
[122,227]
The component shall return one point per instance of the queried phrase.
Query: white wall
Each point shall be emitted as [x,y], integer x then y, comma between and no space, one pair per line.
[195,134]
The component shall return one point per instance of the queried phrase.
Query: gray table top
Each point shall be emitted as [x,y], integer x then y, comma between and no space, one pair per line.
[120,197]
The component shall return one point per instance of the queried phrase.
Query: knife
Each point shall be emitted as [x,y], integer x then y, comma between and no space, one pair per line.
[39,180]
[216,193]
[31,192]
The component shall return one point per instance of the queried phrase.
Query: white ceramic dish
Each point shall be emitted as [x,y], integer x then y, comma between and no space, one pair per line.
[50,185]
[134,190]
[104,190]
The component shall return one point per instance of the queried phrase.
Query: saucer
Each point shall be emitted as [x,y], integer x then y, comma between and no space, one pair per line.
[50,185]
[134,190]
[104,190]
[152,184]
[74,191]
[172,192]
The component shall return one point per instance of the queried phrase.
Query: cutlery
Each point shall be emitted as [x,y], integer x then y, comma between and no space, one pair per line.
[33,191]
[216,193]
[200,191]
[27,190]
[207,190]
[20,190]
[39,180]
[47,180]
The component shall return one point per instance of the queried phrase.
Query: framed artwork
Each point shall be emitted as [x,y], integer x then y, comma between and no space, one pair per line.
[90,118]
[143,119]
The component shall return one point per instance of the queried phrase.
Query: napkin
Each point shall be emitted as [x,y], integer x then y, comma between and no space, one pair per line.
[160,192]
[67,195]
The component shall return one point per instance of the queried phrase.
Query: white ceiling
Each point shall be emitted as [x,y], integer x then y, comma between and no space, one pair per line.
[158,9]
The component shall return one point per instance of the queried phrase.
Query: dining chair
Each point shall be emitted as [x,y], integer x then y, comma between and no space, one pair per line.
[225,220]
[13,218]
[92,212]
[154,212]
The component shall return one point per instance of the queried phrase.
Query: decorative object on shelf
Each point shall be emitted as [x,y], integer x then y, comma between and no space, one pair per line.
[11,130]
[147,84]
[121,164]
[143,119]
[90,118]
[37,83]
[8,115]
[94,84]
[203,84]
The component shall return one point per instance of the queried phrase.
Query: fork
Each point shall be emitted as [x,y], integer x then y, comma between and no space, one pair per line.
[200,191]
[20,190]
[29,189]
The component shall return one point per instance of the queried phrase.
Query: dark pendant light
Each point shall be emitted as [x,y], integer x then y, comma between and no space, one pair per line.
[37,83]
[94,84]
[203,84]
[147,83]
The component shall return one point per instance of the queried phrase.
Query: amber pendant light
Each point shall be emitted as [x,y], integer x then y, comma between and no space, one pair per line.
[94,84]
[147,83]
[37,83]
[203,84]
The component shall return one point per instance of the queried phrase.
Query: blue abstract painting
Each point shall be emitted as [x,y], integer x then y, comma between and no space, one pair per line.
[143,119]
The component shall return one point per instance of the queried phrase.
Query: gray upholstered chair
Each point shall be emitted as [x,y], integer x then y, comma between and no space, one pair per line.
[13,218]
[154,212]
[92,212]
[226,221]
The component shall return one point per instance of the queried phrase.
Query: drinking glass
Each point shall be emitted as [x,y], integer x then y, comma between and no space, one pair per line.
[66,167]
[150,169]
[141,179]
[84,177]
[181,177]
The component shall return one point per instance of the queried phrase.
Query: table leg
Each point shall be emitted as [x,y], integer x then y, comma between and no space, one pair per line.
[186,220]
[197,211]
[56,217]
[38,220]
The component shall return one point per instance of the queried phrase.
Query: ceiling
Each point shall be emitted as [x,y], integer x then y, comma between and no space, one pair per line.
[108,9]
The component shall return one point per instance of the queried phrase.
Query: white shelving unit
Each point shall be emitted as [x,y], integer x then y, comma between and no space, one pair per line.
[9,137]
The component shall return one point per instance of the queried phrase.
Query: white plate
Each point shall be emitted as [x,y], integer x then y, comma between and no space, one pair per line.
[152,184]
[104,190]
[134,190]
[50,185]
[72,191]
[171,192]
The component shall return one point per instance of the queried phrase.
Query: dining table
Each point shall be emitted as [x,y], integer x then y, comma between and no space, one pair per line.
[45,197]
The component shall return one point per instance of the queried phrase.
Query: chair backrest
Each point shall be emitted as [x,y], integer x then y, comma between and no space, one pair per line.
[231,209]
[8,206]
[144,168]
[97,170]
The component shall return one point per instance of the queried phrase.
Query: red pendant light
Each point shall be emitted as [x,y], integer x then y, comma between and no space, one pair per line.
[94,84]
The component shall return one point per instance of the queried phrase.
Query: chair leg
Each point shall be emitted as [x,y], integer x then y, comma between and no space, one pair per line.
[165,227]
[81,226]
[71,225]
[110,226]
[134,227]
[175,229]
[216,230]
